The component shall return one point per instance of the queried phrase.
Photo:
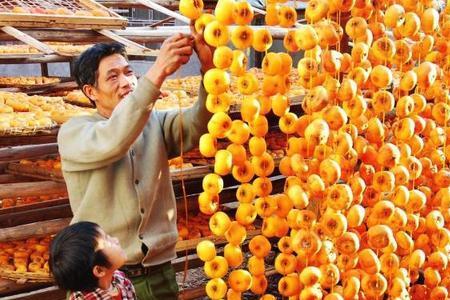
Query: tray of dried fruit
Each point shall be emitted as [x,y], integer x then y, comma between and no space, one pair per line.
[76,14]
[44,168]
[77,97]
[19,51]
[26,260]
[24,250]
[49,168]
[26,196]
[23,115]
[29,82]
[184,169]
[72,50]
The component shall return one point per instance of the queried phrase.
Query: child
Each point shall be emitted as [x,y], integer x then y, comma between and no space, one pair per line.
[85,260]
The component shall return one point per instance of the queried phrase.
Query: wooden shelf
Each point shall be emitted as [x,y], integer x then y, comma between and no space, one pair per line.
[56,174]
[192,244]
[11,290]
[37,229]
[39,138]
[15,153]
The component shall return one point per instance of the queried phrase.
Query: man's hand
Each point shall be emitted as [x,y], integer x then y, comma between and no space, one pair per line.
[203,50]
[174,52]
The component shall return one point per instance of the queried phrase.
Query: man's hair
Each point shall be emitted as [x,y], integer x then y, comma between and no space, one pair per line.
[86,65]
[73,256]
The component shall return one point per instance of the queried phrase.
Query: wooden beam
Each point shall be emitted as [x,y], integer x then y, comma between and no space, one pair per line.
[161,22]
[31,189]
[14,289]
[37,229]
[139,48]
[9,178]
[29,40]
[44,70]
[36,215]
[137,4]
[164,10]
[53,293]
[15,153]
[39,138]
[79,36]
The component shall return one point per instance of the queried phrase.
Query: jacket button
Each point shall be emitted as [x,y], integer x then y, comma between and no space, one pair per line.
[142,210]
[136,181]
[132,152]
[141,236]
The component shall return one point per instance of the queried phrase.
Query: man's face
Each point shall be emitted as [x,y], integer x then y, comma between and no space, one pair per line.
[115,80]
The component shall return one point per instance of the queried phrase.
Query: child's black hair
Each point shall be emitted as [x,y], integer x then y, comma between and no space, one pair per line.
[73,255]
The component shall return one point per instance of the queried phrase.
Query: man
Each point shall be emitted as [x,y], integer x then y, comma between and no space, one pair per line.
[115,161]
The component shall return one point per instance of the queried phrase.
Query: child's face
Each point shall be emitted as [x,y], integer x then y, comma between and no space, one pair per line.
[111,248]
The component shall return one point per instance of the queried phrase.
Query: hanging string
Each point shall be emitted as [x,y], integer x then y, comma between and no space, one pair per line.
[183,188]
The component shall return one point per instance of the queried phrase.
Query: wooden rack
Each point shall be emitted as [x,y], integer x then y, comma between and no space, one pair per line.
[133,47]
[59,14]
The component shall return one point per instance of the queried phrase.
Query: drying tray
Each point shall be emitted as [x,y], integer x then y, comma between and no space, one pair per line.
[37,16]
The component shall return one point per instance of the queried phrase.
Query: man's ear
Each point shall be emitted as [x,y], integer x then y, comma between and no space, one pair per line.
[99,271]
[89,91]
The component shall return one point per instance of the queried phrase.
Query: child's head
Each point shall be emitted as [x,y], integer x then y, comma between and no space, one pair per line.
[83,253]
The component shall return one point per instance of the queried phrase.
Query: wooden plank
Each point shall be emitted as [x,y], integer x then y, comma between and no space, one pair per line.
[133,45]
[21,36]
[44,69]
[10,178]
[33,206]
[135,4]
[190,173]
[46,293]
[32,59]
[31,189]
[35,215]
[55,21]
[10,287]
[56,175]
[192,293]
[164,10]
[161,22]
[38,138]
[15,153]
[166,31]
[76,36]
[37,176]
[37,229]
[35,172]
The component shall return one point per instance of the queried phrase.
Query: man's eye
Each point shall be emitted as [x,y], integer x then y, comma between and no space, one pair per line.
[113,77]
[129,73]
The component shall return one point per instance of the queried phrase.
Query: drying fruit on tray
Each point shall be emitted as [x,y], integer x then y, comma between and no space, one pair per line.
[29,255]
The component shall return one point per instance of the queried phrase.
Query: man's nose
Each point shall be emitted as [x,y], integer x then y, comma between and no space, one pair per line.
[126,81]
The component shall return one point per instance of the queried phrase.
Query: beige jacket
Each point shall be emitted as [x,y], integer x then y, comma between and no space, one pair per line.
[117,173]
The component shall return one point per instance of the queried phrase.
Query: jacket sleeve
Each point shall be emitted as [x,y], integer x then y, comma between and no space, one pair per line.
[194,122]
[85,143]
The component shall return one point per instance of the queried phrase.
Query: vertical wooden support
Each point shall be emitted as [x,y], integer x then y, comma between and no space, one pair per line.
[44,69]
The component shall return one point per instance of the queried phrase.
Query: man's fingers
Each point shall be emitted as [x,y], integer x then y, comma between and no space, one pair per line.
[184,59]
[185,41]
[186,50]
